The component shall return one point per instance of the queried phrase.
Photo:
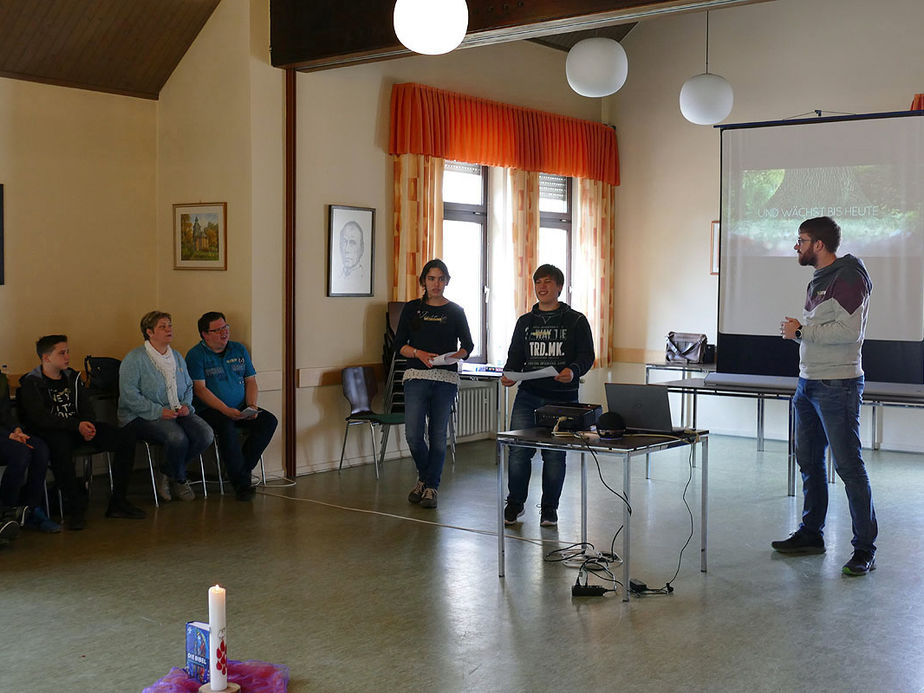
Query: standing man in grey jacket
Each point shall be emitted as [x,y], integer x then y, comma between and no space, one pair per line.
[826,405]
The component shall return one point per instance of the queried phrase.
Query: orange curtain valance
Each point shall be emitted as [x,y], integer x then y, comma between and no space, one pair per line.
[454,126]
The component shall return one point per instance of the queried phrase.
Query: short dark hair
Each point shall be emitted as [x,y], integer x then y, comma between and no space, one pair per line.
[207,319]
[549,271]
[823,229]
[149,321]
[45,345]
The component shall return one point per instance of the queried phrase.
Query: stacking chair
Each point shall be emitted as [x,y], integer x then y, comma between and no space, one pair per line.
[221,477]
[359,387]
[147,448]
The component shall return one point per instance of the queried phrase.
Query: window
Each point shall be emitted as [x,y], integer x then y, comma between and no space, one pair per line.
[465,244]
[555,226]
[466,249]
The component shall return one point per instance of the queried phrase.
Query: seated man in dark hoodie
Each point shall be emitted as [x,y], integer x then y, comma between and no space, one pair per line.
[551,334]
[22,486]
[55,405]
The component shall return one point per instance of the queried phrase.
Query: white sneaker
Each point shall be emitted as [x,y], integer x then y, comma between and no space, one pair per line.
[182,490]
[162,483]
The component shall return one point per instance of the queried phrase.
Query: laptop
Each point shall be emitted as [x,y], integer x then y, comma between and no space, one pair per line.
[480,370]
[644,408]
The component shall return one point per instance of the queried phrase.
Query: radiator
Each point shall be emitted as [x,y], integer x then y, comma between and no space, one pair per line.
[476,410]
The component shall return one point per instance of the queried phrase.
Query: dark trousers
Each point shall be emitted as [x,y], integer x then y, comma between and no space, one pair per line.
[23,481]
[240,459]
[108,438]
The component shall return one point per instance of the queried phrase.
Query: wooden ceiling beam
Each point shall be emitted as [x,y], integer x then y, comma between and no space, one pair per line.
[323,34]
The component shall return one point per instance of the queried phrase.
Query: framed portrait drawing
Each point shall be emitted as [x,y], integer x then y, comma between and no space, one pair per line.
[200,236]
[350,250]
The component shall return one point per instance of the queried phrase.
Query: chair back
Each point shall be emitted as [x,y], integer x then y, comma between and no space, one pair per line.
[359,388]
[102,374]
[394,314]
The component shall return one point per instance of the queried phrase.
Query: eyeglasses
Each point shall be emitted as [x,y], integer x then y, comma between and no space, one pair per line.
[224,328]
[800,241]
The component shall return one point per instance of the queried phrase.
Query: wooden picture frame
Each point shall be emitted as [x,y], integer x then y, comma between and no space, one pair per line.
[714,248]
[350,250]
[200,236]
[2,280]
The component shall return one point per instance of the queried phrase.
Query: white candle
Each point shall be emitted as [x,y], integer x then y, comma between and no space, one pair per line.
[218,651]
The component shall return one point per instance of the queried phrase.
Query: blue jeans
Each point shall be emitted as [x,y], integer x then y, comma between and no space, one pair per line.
[521,459]
[427,407]
[183,439]
[828,412]
[23,481]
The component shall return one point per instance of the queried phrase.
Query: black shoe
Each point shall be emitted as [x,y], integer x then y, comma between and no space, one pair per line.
[860,563]
[119,507]
[75,521]
[18,513]
[548,517]
[245,493]
[513,512]
[800,542]
[9,530]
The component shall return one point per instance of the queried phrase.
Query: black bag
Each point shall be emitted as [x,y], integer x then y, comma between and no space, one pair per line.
[102,374]
[686,347]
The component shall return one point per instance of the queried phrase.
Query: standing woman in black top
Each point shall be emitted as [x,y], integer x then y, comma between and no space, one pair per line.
[429,327]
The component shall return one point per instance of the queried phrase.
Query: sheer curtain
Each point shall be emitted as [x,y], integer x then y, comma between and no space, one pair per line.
[430,125]
[593,260]
[418,220]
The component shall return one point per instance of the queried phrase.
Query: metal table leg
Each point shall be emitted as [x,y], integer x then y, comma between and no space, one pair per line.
[583,500]
[791,455]
[625,524]
[876,426]
[760,423]
[501,455]
[704,501]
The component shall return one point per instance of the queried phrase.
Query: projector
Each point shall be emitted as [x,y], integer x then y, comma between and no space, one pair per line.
[570,416]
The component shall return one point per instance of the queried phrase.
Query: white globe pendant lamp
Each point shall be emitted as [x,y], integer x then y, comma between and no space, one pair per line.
[431,27]
[706,99]
[596,67]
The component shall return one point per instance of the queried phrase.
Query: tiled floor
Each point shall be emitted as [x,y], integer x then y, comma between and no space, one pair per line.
[356,590]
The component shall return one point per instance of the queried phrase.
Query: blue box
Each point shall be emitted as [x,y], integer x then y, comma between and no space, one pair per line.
[197,651]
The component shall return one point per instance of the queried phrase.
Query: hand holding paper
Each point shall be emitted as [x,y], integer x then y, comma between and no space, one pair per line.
[446,359]
[547,372]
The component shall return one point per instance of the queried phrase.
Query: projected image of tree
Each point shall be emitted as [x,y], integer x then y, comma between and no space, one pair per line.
[867,201]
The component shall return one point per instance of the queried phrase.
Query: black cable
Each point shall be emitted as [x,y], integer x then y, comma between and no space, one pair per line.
[668,588]
[550,556]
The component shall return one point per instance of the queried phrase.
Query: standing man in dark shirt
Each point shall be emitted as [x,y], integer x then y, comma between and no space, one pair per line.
[225,389]
[56,406]
[551,334]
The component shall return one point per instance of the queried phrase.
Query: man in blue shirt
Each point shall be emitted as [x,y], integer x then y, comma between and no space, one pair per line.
[225,389]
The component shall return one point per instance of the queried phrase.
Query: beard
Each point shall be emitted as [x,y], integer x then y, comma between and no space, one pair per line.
[808,259]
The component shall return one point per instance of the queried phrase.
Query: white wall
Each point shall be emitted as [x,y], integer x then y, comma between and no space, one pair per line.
[220,139]
[78,171]
[783,58]
[342,159]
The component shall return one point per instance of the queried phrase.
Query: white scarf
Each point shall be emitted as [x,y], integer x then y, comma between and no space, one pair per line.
[166,365]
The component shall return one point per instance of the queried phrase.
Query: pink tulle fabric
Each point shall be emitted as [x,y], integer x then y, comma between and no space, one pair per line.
[251,676]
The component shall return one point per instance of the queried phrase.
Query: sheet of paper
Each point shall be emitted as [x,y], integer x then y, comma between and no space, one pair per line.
[446,359]
[547,372]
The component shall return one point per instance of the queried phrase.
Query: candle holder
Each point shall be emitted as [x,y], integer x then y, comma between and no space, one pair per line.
[232,688]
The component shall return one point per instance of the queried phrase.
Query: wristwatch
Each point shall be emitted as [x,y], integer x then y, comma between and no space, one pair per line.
[798,333]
